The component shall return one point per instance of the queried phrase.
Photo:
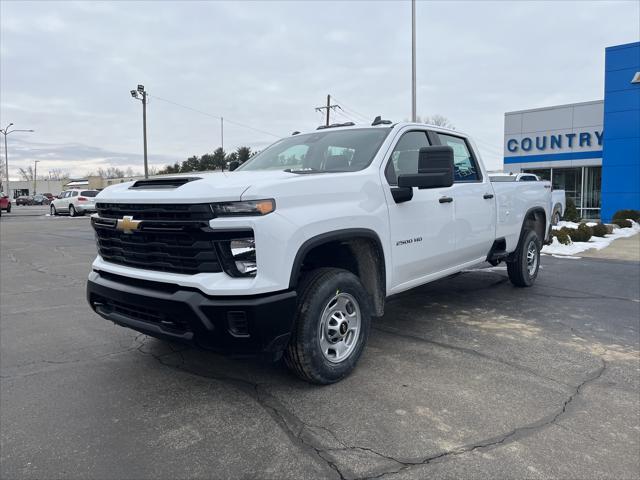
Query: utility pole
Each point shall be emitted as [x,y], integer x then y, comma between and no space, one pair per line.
[222,132]
[413,61]
[141,94]
[328,108]
[35,176]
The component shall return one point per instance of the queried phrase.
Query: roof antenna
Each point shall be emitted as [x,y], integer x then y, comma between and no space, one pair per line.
[379,121]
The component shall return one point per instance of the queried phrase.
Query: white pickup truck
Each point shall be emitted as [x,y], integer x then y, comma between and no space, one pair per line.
[295,251]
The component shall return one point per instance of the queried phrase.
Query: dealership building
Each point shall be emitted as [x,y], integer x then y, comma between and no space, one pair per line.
[589,149]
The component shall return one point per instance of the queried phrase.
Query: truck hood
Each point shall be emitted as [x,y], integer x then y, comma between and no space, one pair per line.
[208,187]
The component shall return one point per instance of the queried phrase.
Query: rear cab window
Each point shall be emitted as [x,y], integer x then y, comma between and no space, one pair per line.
[89,193]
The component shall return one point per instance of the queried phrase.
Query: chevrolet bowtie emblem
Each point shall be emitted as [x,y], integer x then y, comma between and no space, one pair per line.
[127,224]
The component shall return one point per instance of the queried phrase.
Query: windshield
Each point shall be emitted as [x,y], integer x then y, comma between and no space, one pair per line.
[331,151]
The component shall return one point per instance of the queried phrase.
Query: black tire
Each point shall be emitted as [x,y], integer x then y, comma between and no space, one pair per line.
[556,218]
[518,267]
[53,210]
[72,211]
[9,208]
[304,355]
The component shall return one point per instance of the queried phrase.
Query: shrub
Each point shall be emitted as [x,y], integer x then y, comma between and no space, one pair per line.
[599,230]
[581,234]
[562,236]
[570,211]
[622,222]
[627,214]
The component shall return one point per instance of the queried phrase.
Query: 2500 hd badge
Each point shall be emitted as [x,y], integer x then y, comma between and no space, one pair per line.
[408,241]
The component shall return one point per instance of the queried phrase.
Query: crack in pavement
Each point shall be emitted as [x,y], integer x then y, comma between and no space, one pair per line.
[302,434]
[509,437]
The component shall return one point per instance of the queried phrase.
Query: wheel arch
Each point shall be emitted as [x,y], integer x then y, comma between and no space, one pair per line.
[535,219]
[358,250]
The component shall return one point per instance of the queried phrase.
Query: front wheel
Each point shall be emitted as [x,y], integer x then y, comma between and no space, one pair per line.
[523,267]
[332,326]
[9,208]
[53,211]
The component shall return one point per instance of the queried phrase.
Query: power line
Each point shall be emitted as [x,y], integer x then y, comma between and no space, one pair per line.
[226,119]
[354,112]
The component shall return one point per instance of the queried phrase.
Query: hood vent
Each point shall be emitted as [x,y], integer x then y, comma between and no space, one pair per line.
[162,183]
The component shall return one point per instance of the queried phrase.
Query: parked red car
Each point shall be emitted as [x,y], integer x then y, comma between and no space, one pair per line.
[5,203]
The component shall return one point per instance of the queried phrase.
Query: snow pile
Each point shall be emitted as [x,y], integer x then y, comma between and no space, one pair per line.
[556,248]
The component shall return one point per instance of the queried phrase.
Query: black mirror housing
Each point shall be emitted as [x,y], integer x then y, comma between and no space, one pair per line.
[435,169]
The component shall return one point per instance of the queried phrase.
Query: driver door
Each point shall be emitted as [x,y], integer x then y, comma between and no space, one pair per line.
[422,230]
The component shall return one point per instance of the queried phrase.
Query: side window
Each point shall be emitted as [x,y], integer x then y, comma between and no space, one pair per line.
[67,194]
[75,194]
[465,166]
[404,158]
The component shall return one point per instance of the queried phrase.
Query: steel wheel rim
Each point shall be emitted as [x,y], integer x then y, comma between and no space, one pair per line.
[340,326]
[532,258]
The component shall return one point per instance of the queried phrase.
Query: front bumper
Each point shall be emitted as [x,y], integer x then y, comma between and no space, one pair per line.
[237,325]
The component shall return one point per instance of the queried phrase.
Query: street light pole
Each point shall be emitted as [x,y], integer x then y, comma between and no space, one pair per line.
[35,176]
[413,61]
[141,94]
[5,131]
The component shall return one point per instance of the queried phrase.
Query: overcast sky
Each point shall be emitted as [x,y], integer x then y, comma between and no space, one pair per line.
[67,68]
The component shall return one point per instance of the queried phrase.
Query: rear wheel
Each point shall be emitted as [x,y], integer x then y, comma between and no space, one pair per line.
[523,267]
[332,326]
[9,208]
[72,211]
[53,210]
[556,218]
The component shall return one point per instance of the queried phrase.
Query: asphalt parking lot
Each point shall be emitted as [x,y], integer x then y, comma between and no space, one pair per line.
[467,377]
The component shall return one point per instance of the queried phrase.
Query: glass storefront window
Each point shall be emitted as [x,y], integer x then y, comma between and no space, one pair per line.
[581,184]
[569,179]
[591,192]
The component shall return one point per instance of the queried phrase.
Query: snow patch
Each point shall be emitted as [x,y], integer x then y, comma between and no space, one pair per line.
[558,249]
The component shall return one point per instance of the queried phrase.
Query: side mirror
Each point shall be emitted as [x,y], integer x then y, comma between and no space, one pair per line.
[233,165]
[435,169]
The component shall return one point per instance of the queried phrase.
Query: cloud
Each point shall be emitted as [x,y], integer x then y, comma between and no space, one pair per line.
[76,158]
[67,68]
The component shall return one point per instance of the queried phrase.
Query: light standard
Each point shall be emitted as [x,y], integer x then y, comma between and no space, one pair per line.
[141,94]
[6,132]
[35,175]
[413,61]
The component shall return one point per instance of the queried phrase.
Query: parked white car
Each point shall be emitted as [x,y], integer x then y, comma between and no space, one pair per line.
[74,202]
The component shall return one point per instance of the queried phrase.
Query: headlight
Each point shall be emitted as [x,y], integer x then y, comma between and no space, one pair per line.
[244,208]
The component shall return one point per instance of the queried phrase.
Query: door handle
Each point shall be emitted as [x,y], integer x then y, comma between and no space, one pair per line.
[445,199]
[487,196]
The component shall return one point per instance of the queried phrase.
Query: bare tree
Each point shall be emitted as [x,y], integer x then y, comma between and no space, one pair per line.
[438,120]
[26,174]
[58,174]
